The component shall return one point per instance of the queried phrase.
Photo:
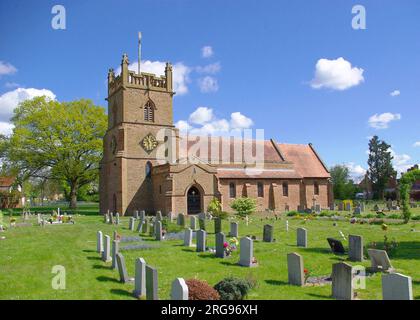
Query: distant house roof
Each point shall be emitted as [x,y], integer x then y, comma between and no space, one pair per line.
[306,160]
[6,181]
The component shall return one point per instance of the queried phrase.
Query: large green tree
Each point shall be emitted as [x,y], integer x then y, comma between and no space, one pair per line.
[380,166]
[343,186]
[58,140]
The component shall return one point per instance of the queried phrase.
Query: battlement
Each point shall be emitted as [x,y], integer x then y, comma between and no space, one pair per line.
[147,81]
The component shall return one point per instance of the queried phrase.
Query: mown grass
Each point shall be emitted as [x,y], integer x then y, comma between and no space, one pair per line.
[29,253]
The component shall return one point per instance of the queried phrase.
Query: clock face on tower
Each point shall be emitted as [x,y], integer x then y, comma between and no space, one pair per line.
[149,142]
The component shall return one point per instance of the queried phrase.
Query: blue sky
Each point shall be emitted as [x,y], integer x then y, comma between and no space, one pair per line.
[263,65]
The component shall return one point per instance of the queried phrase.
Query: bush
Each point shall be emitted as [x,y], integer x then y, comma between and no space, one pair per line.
[394,216]
[292,213]
[416,217]
[200,290]
[244,206]
[326,214]
[233,288]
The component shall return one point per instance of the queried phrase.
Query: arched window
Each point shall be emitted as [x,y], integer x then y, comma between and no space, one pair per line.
[148,169]
[260,188]
[232,190]
[285,189]
[149,111]
[316,188]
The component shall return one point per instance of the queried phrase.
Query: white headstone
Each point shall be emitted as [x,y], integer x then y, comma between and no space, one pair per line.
[396,286]
[106,254]
[246,252]
[140,278]
[188,237]
[302,237]
[99,242]
[179,290]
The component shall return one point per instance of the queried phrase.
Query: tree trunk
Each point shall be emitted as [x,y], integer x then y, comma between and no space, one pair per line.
[73,195]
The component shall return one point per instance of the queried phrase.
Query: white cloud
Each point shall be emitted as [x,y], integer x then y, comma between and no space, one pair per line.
[212,68]
[416,144]
[201,115]
[239,121]
[6,128]
[400,161]
[356,171]
[6,68]
[395,93]
[208,84]
[336,74]
[381,121]
[207,52]
[11,85]
[180,73]
[209,124]
[10,100]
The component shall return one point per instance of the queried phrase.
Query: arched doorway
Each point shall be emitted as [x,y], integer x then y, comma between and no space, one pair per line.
[193,201]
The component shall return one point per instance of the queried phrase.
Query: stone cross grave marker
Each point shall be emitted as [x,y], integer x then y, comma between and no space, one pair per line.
[336,246]
[179,290]
[355,248]
[122,269]
[140,278]
[379,260]
[151,283]
[201,241]
[302,237]
[233,229]
[295,269]
[188,235]
[220,241]
[106,254]
[268,233]
[396,286]
[99,242]
[342,281]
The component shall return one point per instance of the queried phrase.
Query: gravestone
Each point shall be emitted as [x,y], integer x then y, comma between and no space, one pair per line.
[332,207]
[158,230]
[99,242]
[159,215]
[268,233]
[106,217]
[233,229]
[302,237]
[117,218]
[396,286]
[181,220]
[179,290]
[131,223]
[110,218]
[106,254]
[152,229]
[115,248]
[379,260]
[202,223]
[336,246]
[201,241]
[317,208]
[355,248]
[122,269]
[342,281]
[217,225]
[114,235]
[136,214]
[348,206]
[247,252]
[39,218]
[220,241]
[340,206]
[140,225]
[140,278]
[142,215]
[151,283]
[357,210]
[193,222]
[202,215]
[295,269]
[144,226]
[188,234]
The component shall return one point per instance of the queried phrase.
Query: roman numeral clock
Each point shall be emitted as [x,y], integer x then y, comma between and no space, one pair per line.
[149,143]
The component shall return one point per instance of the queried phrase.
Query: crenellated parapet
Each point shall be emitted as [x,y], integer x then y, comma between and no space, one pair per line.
[147,81]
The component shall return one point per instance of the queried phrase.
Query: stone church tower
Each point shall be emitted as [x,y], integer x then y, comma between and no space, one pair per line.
[139,106]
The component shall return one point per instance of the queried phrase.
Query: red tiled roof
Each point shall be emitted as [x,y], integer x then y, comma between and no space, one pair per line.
[305,160]
[6,181]
[264,174]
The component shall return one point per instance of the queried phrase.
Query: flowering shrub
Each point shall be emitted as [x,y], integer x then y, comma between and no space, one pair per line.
[200,290]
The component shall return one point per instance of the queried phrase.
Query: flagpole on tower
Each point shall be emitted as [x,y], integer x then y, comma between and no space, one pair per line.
[139,52]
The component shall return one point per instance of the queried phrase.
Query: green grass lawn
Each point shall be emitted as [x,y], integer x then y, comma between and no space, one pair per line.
[29,253]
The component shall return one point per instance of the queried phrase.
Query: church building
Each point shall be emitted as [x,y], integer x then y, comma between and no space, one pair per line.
[135,173]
